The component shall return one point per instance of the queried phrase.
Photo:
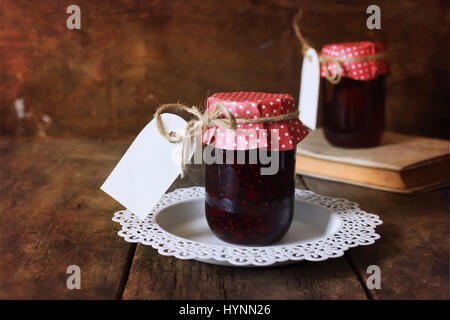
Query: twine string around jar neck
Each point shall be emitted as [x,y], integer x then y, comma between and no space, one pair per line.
[336,61]
[219,117]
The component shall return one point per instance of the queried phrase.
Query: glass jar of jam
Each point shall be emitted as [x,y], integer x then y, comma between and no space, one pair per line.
[243,204]
[353,100]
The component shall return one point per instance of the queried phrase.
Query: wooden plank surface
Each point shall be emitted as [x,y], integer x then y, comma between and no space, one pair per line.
[53,215]
[413,252]
[154,276]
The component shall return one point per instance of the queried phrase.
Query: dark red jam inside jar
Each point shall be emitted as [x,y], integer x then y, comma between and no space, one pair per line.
[354,112]
[245,207]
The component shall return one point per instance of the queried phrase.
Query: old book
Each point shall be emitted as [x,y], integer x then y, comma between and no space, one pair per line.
[401,163]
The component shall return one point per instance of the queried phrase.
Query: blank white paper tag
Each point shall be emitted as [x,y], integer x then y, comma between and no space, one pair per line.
[147,169]
[309,89]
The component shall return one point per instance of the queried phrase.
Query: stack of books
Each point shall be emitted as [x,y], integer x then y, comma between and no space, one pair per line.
[401,163]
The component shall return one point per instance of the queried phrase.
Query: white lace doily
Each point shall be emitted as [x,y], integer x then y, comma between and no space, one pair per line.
[357,227]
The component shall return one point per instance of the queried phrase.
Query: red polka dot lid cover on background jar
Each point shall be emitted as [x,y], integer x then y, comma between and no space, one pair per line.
[253,105]
[356,70]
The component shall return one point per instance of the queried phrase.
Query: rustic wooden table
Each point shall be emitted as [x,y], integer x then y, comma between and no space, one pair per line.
[53,215]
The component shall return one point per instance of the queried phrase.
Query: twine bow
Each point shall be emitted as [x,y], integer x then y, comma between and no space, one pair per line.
[336,77]
[219,117]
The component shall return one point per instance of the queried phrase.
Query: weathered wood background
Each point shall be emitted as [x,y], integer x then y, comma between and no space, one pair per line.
[105,80]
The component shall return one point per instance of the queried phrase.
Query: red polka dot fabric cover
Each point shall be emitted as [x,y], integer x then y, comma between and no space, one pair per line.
[249,105]
[365,71]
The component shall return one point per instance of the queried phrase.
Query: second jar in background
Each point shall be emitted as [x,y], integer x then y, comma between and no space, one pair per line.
[354,100]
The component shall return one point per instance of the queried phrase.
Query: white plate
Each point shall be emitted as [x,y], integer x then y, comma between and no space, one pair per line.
[323,227]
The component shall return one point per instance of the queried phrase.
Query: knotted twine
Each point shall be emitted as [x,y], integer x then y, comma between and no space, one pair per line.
[336,77]
[219,117]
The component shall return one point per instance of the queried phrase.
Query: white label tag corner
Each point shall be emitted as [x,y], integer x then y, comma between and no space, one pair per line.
[146,170]
[309,89]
